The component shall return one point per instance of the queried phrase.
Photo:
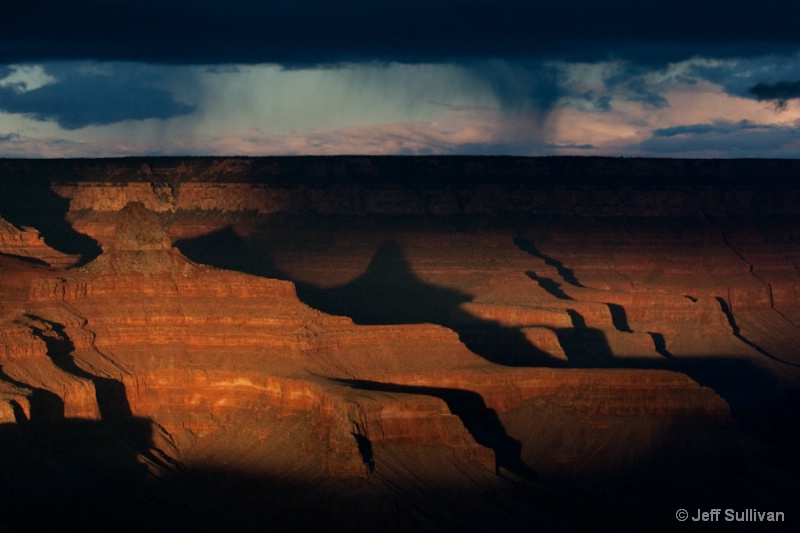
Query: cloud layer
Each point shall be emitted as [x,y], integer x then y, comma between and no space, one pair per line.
[79,96]
[618,77]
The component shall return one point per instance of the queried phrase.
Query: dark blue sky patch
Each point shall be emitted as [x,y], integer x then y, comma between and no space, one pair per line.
[83,99]
[314,32]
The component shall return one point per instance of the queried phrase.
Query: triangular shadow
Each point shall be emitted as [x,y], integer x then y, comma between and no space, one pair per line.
[387,292]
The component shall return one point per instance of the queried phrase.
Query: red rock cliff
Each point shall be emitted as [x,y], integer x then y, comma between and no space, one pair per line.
[267,313]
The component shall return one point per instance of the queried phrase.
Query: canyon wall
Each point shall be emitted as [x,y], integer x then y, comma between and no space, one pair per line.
[542,329]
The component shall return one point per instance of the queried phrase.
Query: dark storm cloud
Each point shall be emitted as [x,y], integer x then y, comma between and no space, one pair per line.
[520,88]
[630,81]
[731,139]
[777,93]
[760,78]
[313,32]
[90,98]
[705,129]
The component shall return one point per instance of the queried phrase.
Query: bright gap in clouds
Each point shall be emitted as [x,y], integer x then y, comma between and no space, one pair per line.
[602,108]
[279,100]
[24,78]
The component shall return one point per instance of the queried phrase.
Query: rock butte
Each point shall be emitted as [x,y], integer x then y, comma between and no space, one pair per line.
[351,343]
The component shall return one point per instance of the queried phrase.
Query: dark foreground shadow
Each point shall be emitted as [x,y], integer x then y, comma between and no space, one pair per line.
[107,477]
[78,472]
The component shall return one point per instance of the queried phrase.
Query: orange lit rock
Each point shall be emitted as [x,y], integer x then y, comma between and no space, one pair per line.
[28,244]
[256,318]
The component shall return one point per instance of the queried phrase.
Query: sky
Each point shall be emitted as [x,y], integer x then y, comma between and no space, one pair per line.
[656,78]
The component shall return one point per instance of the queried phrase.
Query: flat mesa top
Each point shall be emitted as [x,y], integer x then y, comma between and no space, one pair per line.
[413,171]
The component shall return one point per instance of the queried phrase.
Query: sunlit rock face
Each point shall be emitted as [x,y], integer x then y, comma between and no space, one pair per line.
[27,244]
[394,343]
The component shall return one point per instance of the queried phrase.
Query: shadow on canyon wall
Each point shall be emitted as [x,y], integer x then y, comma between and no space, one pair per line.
[110,393]
[482,422]
[389,292]
[106,475]
[92,474]
[566,273]
[26,199]
[751,392]
[45,406]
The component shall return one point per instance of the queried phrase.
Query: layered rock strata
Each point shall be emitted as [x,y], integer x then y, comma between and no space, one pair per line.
[287,329]
[28,244]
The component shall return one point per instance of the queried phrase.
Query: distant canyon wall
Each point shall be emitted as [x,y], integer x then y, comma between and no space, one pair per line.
[396,199]
[348,185]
